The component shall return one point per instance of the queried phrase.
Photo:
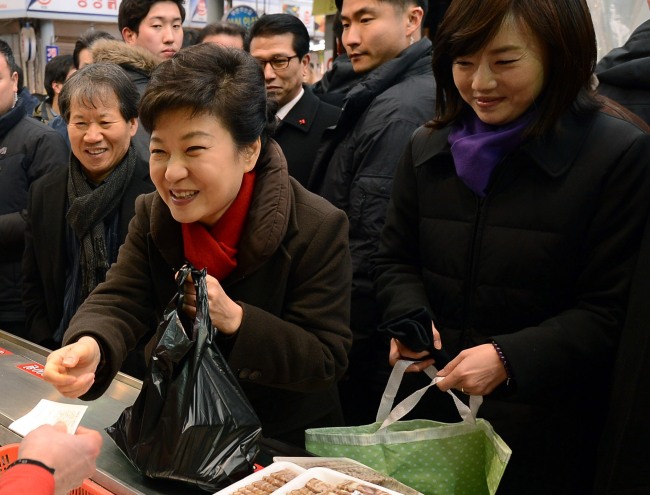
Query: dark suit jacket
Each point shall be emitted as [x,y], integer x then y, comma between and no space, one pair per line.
[300,132]
[45,256]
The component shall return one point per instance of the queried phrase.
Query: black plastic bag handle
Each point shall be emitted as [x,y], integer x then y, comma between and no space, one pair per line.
[181,277]
[202,305]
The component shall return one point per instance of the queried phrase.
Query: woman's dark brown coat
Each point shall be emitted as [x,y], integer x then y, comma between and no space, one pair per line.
[293,281]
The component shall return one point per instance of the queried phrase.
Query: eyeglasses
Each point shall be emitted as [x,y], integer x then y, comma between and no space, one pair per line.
[277,63]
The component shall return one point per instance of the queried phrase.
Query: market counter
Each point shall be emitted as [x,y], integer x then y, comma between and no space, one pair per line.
[21,388]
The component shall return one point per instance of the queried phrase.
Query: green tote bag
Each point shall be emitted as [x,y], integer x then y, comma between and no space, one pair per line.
[432,457]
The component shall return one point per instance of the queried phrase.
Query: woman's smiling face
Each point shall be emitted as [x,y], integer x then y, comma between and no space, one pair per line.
[501,81]
[196,165]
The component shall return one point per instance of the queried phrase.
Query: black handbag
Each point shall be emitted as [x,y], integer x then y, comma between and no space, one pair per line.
[191,421]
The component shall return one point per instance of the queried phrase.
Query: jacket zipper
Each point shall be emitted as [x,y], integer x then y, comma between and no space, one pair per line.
[466,329]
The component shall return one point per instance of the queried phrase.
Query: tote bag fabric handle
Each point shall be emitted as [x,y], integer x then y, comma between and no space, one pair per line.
[387,415]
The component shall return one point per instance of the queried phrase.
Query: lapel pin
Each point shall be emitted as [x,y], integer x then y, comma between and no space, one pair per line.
[302,121]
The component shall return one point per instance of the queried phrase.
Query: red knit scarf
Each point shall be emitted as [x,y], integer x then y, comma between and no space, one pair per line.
[216,249]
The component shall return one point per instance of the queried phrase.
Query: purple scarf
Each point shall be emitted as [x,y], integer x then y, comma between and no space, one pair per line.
[477,147]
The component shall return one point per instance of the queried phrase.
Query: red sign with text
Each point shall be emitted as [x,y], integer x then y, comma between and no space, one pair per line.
[32,368]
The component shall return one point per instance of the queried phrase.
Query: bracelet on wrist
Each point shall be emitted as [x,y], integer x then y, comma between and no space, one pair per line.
[504,361]
[33,462]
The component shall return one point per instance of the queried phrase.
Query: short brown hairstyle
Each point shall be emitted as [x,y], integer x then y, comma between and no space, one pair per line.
[565,29]
[210,79]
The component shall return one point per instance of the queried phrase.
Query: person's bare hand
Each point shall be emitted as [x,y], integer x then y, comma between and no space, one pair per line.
[72,457]
[71,369]
[225,313]
[475,371]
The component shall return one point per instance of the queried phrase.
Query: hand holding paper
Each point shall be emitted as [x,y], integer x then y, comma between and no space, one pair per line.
[48,412]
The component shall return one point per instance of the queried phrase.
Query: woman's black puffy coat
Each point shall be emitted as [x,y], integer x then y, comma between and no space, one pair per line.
[541,265]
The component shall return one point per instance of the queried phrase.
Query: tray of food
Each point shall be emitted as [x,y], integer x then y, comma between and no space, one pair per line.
[265,481]
[324,481]
[351,468]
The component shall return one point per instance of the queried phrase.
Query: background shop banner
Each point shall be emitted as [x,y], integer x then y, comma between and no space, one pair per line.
[196,13]
[242,15]
[324,7]
[9,6]
[300,8]
[85,7]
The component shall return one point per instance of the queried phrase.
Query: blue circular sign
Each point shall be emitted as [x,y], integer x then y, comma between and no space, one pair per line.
[243,15]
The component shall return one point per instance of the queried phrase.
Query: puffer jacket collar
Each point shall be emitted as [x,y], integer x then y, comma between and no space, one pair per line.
[269,217]
[125,55]
[9,119]
[414,60]
[553,152]
[629,65]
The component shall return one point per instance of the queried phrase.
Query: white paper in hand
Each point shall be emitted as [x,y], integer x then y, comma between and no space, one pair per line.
[47,412]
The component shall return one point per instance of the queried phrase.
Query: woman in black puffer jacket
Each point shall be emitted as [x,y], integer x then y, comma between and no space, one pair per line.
[515,220]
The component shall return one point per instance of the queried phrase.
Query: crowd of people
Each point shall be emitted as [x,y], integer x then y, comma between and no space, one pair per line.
[491,174]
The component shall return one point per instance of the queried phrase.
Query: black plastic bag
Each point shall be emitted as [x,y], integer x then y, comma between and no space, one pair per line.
[191,421]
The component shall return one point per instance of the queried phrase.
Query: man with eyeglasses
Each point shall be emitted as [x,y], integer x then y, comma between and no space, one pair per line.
[355,166]
[280,42]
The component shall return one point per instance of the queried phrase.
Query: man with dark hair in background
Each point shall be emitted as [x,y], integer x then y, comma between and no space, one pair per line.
[78,216]
[82,55]
[155,25]
[57,72]
[280,43]
[356,165]
[28,150]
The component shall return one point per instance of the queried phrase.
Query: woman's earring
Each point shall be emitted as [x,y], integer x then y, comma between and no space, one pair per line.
[15,99]
[412,40]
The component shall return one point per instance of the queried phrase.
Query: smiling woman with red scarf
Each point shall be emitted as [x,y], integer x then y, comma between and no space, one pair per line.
[277,256]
